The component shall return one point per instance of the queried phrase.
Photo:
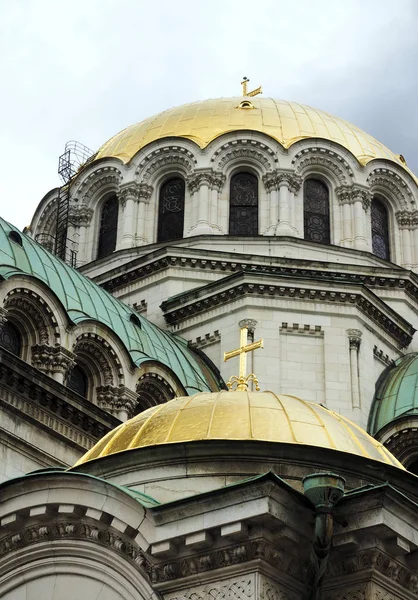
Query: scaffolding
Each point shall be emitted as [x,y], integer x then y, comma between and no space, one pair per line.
[75,156]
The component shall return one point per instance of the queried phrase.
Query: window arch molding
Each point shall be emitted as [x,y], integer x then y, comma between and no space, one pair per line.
[170,202]
[155,385]
[382,227]
[243,200]
[328,220]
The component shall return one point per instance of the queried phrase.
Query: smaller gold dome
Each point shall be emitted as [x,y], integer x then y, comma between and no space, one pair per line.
[251,416]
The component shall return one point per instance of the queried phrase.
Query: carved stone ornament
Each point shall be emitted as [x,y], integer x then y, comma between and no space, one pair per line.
[275,179]
[354,338]
[68,529]
[99,351]
[128,192]
[80,215]
[248,149]
[114,399]
[102,177]
[388,181]
[348,194]
[310,159]
[214,181]
[405,219]
[163,159]
[52,359]
[222,558]
[32,306]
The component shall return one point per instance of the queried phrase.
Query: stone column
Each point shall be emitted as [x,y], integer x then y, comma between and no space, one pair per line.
[119,401]
[283,226]
[295,184]
[128,196]
[361,199]
[272,190]
[144,195]
[345,198]
[354,338]
[80,217]
[201,186]
[405,220]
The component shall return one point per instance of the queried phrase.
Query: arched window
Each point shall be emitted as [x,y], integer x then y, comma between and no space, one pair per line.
[316,212]
[243,204]
[171,210]
[108,227]
[77,381]
[380,229]
[10,338]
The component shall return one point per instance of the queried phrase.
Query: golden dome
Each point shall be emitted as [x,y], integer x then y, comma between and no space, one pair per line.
[286,122]
[241,416]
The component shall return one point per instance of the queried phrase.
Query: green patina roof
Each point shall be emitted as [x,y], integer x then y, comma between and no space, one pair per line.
[396,393]
[83,300]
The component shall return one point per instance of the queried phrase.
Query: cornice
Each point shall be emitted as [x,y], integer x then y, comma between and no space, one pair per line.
[242,284]
[53,407]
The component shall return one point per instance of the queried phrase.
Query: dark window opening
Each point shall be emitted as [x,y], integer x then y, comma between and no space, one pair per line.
[108,227]
[171,210]
[77,381]
[380,230]
[10,338]
[243,204]
[413,467]
[316,212]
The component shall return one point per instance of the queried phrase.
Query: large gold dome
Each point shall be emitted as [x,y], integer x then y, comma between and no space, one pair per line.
[286,122]
[241,416]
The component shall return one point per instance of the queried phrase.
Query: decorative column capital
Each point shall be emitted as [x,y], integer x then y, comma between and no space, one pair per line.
[114,399]
[345,194]
[277,179]
[129,191]
[80,215]
[3,315]
[405,219]
[52,359]
[144,192]
[354,338]
[250,324]
[212,179]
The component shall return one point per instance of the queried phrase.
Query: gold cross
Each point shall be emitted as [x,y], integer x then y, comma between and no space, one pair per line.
[242,380]
[245,81]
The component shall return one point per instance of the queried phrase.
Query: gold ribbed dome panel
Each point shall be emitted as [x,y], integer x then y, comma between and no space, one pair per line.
[204,121]
[241,416]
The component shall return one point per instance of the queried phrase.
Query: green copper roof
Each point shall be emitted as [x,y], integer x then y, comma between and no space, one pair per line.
[396,393]
[83,300]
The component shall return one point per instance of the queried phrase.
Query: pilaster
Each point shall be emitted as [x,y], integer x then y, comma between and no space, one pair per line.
[128,197]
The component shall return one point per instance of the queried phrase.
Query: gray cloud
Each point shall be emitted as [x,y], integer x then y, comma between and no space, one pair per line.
[86,70]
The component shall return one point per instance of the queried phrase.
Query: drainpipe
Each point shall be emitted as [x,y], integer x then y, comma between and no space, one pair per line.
[323,490]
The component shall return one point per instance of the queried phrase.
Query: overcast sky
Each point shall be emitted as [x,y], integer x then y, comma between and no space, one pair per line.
[85,69]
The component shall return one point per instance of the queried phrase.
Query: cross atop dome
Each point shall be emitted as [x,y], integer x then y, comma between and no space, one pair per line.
[245,81]
[241,381]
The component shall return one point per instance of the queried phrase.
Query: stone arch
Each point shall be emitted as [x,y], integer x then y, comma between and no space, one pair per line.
[33,318]
[99,362]
[162,162]
[102,179]
[385,182]
[156,385]
[46,226]
[317,160]
[244,152]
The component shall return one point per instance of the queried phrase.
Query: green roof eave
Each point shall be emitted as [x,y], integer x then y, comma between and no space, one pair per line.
[83,300]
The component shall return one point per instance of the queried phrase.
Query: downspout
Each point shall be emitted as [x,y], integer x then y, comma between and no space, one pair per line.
[323,490]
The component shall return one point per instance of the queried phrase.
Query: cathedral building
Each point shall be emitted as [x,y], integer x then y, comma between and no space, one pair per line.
[209,365]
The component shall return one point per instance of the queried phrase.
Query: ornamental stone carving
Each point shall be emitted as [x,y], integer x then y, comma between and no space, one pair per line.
[236,589]
[214,180]
[388,181]
[163,159]
[80,215]
[354,338]
[52,359]
[30,305]
[116,399]
[102,177]
[310,159]
[274,180]
[348,194]
[127,192]
[249,149]
[3,315]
